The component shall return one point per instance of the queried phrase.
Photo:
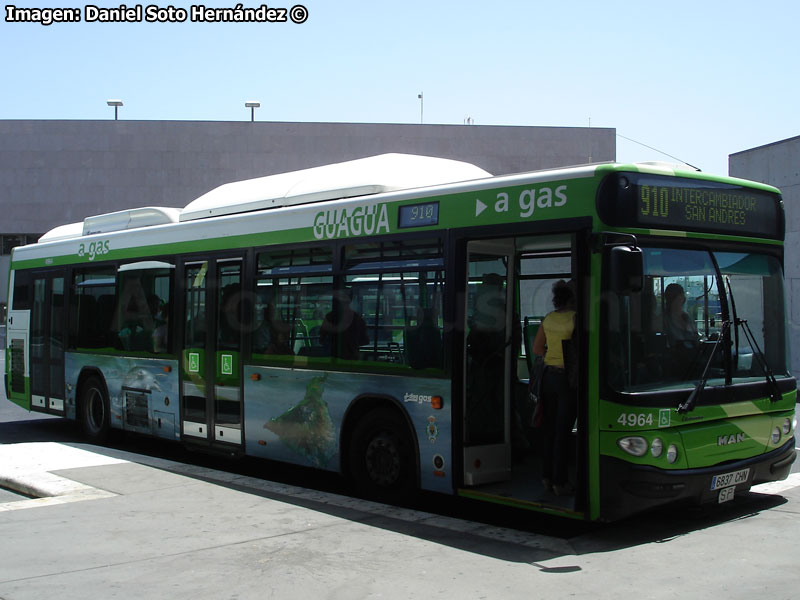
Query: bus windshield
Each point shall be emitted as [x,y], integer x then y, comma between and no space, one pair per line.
[665,336]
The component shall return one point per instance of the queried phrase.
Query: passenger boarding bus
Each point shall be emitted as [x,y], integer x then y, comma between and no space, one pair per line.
[376,318]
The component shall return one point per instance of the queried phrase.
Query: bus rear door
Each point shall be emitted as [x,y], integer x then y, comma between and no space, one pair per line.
[47,333]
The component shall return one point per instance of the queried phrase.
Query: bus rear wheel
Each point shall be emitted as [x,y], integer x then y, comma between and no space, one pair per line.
[94,413]
[382,458]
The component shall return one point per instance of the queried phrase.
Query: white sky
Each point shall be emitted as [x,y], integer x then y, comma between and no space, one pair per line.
[696,79]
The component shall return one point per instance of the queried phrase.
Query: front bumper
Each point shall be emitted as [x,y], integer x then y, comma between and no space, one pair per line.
[626,488]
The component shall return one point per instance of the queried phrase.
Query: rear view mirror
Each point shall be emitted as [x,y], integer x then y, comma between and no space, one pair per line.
[625,270]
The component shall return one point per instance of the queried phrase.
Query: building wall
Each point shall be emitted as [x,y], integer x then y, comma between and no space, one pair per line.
[56,172]
[778,164]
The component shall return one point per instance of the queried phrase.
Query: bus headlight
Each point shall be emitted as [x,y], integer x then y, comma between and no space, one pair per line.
[656,447]
[634,445]
[776,435]
[787,426]
[672,453]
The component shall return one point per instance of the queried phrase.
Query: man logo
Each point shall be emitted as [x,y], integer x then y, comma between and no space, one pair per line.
[727,440]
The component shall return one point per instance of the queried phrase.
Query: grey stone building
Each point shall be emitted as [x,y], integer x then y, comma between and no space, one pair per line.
[57,172]
[778,164]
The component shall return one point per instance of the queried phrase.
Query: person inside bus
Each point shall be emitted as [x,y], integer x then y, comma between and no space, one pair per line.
[161,327]
[558,396]
[262,336]
[486,344]
[677,324]
[343,331]
[272,336]
[230,317]
[424,342]
[314,325]
[682,336]
[135,318]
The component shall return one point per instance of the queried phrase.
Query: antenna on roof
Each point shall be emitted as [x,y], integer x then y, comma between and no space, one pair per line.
[661,152]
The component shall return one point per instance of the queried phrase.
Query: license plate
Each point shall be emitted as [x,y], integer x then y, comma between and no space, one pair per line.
[728,479]
[726,494]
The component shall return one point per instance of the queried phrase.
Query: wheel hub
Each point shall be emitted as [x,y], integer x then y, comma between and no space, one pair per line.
[383,461]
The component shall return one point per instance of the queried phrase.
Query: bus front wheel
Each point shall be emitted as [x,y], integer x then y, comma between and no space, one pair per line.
[94,413]
[382,457]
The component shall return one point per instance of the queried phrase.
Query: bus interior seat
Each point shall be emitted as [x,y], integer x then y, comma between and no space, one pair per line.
[423,346]
[314,351]
[104,317]
[90,327]
[142,340]
[395,352]
[313,336]
[300,335]
[651,348]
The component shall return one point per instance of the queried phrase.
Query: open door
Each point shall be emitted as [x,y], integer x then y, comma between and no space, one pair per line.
[488,359]
[509,290]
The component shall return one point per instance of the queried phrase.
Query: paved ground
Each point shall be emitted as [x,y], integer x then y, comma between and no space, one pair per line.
[119,525]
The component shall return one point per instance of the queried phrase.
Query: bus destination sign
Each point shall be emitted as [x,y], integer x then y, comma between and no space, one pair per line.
[700,206]
[660,202]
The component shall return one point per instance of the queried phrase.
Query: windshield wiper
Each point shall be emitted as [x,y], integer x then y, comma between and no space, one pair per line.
[698,389]
[774,392]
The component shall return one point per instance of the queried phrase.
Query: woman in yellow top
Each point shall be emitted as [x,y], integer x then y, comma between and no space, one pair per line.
[559,402]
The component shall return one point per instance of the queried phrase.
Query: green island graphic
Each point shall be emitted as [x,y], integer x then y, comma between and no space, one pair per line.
[308,428]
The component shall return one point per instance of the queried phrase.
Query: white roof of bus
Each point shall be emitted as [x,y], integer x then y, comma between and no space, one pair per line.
[63,232]
[372,175]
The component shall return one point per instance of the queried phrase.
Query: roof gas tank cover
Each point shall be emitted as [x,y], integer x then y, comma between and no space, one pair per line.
[364,176]
[130,219]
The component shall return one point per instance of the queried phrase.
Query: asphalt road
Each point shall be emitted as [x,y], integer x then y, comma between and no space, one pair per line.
[742,549]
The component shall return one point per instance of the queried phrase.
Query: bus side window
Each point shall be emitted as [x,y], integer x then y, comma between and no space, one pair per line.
[92,307]
[294,292]
[22,293]
[145,293]
[398,289]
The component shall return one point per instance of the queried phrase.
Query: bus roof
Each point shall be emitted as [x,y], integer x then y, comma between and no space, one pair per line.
[360,177]
[364,176]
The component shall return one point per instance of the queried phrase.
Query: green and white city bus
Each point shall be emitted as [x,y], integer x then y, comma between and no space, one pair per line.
[375,318]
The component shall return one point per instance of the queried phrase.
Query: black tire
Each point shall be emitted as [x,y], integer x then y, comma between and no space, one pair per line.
[94,413]
[382,457]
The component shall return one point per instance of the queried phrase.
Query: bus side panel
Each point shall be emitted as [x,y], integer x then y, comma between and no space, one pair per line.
[296,416]
[18,358]
[142,392]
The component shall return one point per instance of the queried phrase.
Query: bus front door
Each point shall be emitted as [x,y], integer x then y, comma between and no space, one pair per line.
[487,361]
[210,363]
